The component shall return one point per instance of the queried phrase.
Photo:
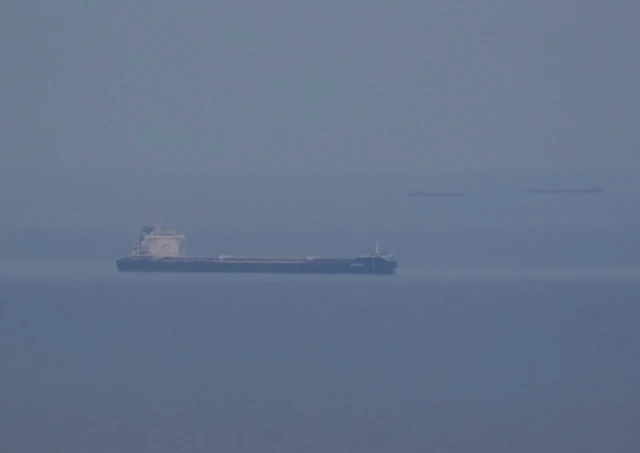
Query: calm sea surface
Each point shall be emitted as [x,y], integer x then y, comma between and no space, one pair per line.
[439,359]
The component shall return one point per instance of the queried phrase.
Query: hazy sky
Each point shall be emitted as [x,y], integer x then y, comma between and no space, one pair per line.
[289,84]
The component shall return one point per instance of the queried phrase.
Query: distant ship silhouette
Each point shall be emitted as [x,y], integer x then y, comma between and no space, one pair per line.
[567,191]
[424,193]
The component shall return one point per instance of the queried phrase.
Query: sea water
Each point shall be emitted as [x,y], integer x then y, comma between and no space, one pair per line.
[453,358]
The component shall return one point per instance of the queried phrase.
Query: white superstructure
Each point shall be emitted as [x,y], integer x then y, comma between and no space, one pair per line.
[158,242]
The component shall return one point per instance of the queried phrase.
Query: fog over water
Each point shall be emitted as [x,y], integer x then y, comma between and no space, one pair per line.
[497,222]
[426,85]
[287,128]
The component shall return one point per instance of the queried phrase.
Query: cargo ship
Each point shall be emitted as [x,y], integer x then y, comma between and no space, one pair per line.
[159,249]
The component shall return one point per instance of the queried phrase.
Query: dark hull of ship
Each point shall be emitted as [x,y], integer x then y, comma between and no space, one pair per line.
[360,265]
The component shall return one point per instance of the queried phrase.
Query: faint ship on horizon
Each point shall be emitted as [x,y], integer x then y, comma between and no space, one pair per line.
[588,191]
[423,193]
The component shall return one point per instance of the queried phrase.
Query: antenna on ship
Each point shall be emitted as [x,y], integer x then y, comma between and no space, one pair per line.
[377,246]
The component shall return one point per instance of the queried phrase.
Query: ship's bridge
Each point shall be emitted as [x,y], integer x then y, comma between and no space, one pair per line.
[158,242]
